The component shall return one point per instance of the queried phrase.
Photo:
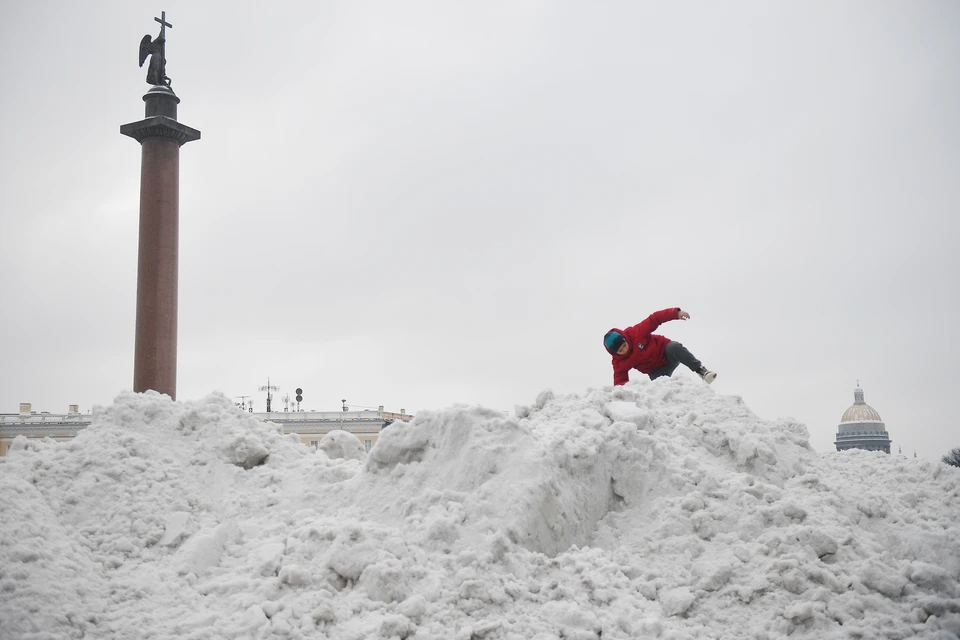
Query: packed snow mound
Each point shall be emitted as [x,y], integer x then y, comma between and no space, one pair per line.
[546,480]
[658,509]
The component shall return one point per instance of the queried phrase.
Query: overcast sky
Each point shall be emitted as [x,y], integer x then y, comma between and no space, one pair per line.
[425,203]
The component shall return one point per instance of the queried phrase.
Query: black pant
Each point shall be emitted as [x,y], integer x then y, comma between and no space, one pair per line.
[676,354]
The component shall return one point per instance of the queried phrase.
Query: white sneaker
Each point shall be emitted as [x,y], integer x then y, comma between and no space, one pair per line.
[708,376]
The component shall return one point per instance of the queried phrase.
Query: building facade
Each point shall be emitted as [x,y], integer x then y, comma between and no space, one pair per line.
[310,426]
[31,424]
[861,427]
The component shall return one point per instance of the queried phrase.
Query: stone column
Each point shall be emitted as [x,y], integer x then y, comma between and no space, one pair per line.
[160,137]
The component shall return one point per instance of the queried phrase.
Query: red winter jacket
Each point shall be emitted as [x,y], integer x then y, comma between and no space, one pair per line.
[646,348]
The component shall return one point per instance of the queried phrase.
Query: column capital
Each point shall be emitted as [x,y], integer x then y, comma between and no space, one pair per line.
[160,127]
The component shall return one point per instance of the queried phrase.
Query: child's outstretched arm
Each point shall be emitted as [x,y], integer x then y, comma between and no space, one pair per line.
[656,319]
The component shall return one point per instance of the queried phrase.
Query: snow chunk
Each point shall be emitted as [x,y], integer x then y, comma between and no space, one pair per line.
[676,601]
[175,528]
[342,444]
[882,578]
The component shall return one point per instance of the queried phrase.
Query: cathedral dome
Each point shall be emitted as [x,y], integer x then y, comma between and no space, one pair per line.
[860,411]
[861,427]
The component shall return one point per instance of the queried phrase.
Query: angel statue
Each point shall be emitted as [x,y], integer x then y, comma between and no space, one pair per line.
[156,49]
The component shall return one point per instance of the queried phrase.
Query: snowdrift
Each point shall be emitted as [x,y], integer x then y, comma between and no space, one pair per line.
[659,509]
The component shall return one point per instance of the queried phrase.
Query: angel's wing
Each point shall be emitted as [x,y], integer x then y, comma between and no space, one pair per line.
[145,48]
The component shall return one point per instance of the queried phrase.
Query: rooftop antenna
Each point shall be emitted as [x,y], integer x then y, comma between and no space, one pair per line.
[268,389]
[243,401]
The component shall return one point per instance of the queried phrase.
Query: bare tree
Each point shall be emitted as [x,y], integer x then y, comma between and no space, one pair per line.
[952,458]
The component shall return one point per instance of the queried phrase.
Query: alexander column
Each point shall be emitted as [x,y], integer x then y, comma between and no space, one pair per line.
[160,137]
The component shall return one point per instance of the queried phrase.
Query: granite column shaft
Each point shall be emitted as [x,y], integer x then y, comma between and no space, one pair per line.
[155,355]
[160,137]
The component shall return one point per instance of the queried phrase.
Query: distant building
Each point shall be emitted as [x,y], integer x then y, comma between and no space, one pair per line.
[310,426]
[44,424]
[861,427]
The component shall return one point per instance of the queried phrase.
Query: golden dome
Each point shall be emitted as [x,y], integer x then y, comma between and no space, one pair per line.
[860,411]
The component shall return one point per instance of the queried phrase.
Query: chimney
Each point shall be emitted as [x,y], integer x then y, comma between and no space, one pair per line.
[24,409]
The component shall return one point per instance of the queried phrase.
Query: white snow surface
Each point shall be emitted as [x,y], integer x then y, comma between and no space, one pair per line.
[656,510]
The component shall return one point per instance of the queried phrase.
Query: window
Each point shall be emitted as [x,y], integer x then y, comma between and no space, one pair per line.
[314,444]
[367,444]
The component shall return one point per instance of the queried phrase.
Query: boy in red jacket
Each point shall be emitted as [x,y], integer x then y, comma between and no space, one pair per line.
[638,347]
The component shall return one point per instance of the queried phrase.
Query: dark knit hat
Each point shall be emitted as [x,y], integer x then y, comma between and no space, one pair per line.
[613,341]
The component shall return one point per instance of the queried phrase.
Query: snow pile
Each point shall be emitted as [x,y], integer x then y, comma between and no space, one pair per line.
[659,509]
